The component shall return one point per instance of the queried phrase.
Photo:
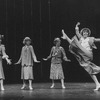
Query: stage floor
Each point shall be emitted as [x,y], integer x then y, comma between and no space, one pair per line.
[42,91]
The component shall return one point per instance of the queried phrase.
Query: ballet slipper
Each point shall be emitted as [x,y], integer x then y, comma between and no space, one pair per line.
[23,87]
[63,87]
[2,88]
[97,88]
[30,87]
[52,86]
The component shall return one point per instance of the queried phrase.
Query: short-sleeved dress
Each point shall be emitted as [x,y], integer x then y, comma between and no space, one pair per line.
[56,70]
[83,53]
[2,53]
[26,59]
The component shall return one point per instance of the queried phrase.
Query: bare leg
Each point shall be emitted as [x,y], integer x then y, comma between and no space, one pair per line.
[2,87]
[53,84]
[30,85]
[24,84]
[96,82]
[66,37]
[62,82]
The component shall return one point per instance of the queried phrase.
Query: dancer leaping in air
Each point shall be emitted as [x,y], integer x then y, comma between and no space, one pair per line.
[81,45]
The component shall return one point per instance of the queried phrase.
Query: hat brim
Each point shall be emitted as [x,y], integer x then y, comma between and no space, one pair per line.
[24,41]
[57,40]
[85,29]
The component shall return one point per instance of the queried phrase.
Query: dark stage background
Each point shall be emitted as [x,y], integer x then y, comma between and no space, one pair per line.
[43,20]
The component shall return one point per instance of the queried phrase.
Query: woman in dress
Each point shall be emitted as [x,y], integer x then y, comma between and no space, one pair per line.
[56,71]
[81,46]
[3,55]
[26,59]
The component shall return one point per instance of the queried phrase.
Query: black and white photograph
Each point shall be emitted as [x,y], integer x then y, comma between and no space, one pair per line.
[49,49]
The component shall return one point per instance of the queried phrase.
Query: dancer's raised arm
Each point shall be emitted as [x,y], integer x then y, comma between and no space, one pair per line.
[77,30]
[66,37]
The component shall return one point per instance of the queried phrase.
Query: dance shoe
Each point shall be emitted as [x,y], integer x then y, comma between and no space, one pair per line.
[97,88]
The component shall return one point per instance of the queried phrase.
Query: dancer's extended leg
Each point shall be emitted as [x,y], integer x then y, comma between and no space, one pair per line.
[66,37]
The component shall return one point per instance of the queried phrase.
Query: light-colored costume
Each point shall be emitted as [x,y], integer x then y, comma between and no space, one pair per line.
[26,59]
[2,55]
[56,55]
[82,49]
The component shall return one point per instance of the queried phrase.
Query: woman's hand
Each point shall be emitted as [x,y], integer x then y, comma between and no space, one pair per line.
[17,63]
[45,59]
[5,57]
[8,61]
[37,61]
[78,23]
[68,60]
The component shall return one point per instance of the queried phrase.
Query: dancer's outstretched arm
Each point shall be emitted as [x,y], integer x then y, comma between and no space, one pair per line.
[49,55]
[64,55]
[65,37]
[5,56]
[97,40]
[20,59]
[33,55]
